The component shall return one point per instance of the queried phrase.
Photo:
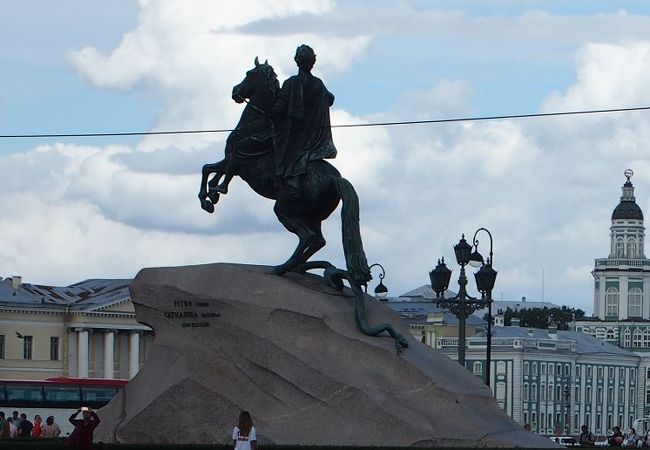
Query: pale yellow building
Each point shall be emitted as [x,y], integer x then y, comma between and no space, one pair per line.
[86,330]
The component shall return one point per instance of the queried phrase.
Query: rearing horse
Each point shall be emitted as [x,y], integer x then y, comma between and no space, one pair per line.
[250,155]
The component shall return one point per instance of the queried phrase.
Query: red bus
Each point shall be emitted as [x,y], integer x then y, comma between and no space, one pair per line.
[58,397]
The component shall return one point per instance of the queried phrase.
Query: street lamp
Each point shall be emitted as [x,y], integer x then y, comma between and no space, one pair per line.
[463,305]
[381,291]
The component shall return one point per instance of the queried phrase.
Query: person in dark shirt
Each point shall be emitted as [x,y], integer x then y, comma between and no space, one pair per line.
[82,436]
[25,428]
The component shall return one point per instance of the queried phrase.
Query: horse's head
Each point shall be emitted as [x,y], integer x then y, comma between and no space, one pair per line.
[260,86]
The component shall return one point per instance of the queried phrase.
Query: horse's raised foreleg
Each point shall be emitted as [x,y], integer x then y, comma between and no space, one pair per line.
[208,200]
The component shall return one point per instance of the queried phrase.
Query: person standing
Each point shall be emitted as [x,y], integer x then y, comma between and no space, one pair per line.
[16,419]
[13,429]
[617,438]
[36,434]
[51,429]
[82,436]
[586,439]
[4,426]
[25,428]
[244,434]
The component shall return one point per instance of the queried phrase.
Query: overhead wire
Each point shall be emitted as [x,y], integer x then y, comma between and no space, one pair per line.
[351,125]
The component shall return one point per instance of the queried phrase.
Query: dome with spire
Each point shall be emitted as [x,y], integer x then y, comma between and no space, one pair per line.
[627,208]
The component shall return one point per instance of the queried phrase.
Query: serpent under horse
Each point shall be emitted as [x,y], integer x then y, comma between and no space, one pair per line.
[251,157]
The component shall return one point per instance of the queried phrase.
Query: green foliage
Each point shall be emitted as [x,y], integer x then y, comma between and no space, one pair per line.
[543,317]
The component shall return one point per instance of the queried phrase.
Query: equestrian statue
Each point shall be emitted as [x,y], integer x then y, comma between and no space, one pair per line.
[279,148]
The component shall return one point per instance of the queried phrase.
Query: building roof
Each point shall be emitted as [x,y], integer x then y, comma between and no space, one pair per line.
[584,343]
[85,295]
[417,312]
[627,210]
[517,305]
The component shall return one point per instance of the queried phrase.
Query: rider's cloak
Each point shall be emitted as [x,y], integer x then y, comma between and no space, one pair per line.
[302,109]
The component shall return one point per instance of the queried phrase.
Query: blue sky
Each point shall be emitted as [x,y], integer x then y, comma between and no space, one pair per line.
[544,187]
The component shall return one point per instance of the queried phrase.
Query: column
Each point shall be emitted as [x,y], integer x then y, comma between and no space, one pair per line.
[109,353]
[82,353]
[134,354]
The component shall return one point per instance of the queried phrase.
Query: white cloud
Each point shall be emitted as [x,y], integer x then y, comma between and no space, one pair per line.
[191,55]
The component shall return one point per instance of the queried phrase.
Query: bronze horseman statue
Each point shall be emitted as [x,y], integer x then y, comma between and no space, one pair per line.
[279,148]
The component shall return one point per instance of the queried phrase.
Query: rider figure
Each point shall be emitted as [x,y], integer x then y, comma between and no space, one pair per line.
[302,109]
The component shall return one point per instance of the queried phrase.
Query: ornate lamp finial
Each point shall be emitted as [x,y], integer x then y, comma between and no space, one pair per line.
[628,174]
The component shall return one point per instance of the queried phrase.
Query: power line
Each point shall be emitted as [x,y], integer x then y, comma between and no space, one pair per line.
[352,125]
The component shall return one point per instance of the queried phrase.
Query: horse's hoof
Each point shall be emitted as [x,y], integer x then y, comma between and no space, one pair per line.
[213,195]
[207,206]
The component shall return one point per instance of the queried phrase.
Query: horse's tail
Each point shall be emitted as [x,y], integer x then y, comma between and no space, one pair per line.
[355,257]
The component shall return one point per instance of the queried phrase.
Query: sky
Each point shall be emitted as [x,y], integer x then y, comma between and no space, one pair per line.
[79,208]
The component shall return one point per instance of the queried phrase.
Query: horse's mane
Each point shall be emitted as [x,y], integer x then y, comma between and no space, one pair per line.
[271,78]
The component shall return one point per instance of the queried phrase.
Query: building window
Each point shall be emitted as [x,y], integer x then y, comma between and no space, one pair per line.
[631,248]
[637,338]
[621,396]
[610,335]
[54,348]
[526,393]
[558,393]
[477,368]
[533,417]
[543,391]
[27,346]
[610,372]
[2,347]
[550,392]
[525,416]
[589,372]
[598,422]
[534,368]
[527,368]
[620,248]
[621,372]
[627,338]
[550,369]
[632,402]
[578,371]
[647,373]
[576,396]
[533,393]
[543,366]
[634,300]
[588,395]
[611,302]
[567,370]
[558,370]
[609,421]
[599,394]
[610,395]
[632,374]
[647,397]
[600,373]
[543,418]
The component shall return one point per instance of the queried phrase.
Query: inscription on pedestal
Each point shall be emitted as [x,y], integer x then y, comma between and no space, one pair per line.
[184,310]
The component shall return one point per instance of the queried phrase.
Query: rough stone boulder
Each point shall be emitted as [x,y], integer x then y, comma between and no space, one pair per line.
[233,337]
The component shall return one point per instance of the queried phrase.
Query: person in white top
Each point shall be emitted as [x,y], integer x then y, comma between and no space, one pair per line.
[244,435]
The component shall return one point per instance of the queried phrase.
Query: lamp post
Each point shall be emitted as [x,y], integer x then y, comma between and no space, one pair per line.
[381,291]
[463,305]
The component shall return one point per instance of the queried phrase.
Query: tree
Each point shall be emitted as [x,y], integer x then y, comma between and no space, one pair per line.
[543,317]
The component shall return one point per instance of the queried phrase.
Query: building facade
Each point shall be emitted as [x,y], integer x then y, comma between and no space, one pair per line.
[557,380]
[86,330]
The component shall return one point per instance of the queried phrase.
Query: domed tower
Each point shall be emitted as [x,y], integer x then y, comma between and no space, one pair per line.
[622,280]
